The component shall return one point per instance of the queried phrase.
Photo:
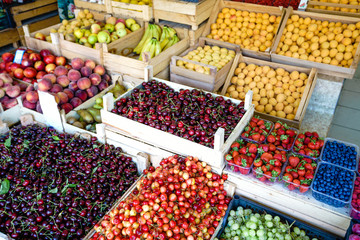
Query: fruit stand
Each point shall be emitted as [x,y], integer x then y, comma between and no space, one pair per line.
[206,123]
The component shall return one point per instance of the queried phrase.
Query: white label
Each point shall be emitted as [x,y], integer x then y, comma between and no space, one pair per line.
[18,56]
[303,4]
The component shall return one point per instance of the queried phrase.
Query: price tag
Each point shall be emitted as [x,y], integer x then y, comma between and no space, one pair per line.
[18,56]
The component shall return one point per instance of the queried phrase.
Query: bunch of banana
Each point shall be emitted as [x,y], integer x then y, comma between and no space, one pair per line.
[156,40]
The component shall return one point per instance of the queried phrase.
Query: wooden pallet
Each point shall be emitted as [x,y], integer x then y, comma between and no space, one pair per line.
[9,36]
[30,10]
[90,5]
[323,68]
[143,12]
[323,7]
[188,13]
[209,82]
[309,88]
[220,4]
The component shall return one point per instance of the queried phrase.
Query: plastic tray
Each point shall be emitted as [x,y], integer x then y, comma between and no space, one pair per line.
[268,181]
[349,230]
[307,155]
[260,142]
[238,170]
[347,144]
[311,231]
[287,150]
[327,199]
[286,182]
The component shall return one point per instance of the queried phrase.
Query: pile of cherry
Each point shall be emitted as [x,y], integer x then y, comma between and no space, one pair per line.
[190,114]
[57,186]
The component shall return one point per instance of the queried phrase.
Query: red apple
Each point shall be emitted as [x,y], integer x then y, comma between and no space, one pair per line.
[49,59]
[27,63]
[26,56]
[8,57]
[60,61]
[2,65]
[45,52]
[40,74]
[19,73]
[30,72]
[35,57]
[68,66]
[14,66]
[29,80]
[8,67]
[39,65]
[50,68]
[67,107]
[40,36]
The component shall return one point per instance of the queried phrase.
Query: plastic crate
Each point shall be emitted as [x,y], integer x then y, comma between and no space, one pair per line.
[311,231]
[346,144]
[238,170]
[327,199]
[349,231]
[288,150]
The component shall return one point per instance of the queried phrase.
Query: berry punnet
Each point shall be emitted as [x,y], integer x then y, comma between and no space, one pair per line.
[340,154]
[56,186]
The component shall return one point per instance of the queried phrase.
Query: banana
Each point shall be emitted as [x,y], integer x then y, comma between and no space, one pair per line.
[174,40]
[157,48]
[146,48]
[153,48]
[165,42]
[147,35]
[171,31]
[149,47]
[164,33]
[157,32]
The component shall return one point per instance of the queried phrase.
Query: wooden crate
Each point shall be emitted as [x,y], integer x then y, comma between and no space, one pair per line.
[90,5]
[9,36]
[134,67]
[170,142]
[322,7]
[29,10]
[305,99]
[220,4]
[143,12]
[211,82]
[323,68]
[188,13]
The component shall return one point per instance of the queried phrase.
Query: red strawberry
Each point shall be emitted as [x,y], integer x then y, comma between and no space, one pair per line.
[301,171]
[288,177]
[294,174]
[294,161]
[303,188]
[271,138]
[252,148]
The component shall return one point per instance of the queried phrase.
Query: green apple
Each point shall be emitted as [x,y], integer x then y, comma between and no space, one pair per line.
[119,25]
[78,33]
[121,33]
[103,37]
[109,27]
[87,33]
[114,37]
[135,27]
[129,22]
[111,20]
[92,39]
[95,28]
[83,40]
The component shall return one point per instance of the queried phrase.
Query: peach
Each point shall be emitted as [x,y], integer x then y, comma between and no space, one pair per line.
[103,85]
[69,92]
[90,63]
[106,77]
[99,69]
[29,105]
[22,86]
[85,71]
[92,91]
[81,94]
[67,107]
[60,70]
[77,63]
[75,102]
[30,88]
[8,103]
[73,86]
[56,88]
[51,77]
[63,97]
[83,83]
[95,79]
[45,85]
[63,81]
[32,96]
[38,107]
[40,74]
[13,91]
[74,75]
[6,78]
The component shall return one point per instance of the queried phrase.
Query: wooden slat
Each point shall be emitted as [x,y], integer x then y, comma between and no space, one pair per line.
[9,36]
[18,18]
[32,5]
[341,117]
[329,4]
[349,14]
[90,5]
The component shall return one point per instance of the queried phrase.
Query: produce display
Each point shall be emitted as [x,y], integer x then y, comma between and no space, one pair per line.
[190,114]
[10,90]
[275,91]
[299,172]
[257,130]
[137,2]
[355,200]
[71,87]
[241,156]
[250,30]
[249,224]
[269,163]
[180,199]
[351,3]
[87,118]
[308,144]
[333,185]
[319,41]
[341,154]
[57,186]
[211,55]
[355,235]
[156,40]
[282,136]
[277,3]
[87,31]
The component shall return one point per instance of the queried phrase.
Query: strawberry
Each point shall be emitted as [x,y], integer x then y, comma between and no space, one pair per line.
[252,148]
[301,171]
[309,144]
[283,136]
[293,161]
[303,188]
[257,130]
[271,138]
[287,177]
[296,182]
[241,156]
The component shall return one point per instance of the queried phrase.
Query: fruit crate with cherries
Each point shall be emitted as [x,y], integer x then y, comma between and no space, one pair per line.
[196,74]
[226,13]
[125,8]
[342,8]
[335,53]
[189,13]
[209,147]
[265,96]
